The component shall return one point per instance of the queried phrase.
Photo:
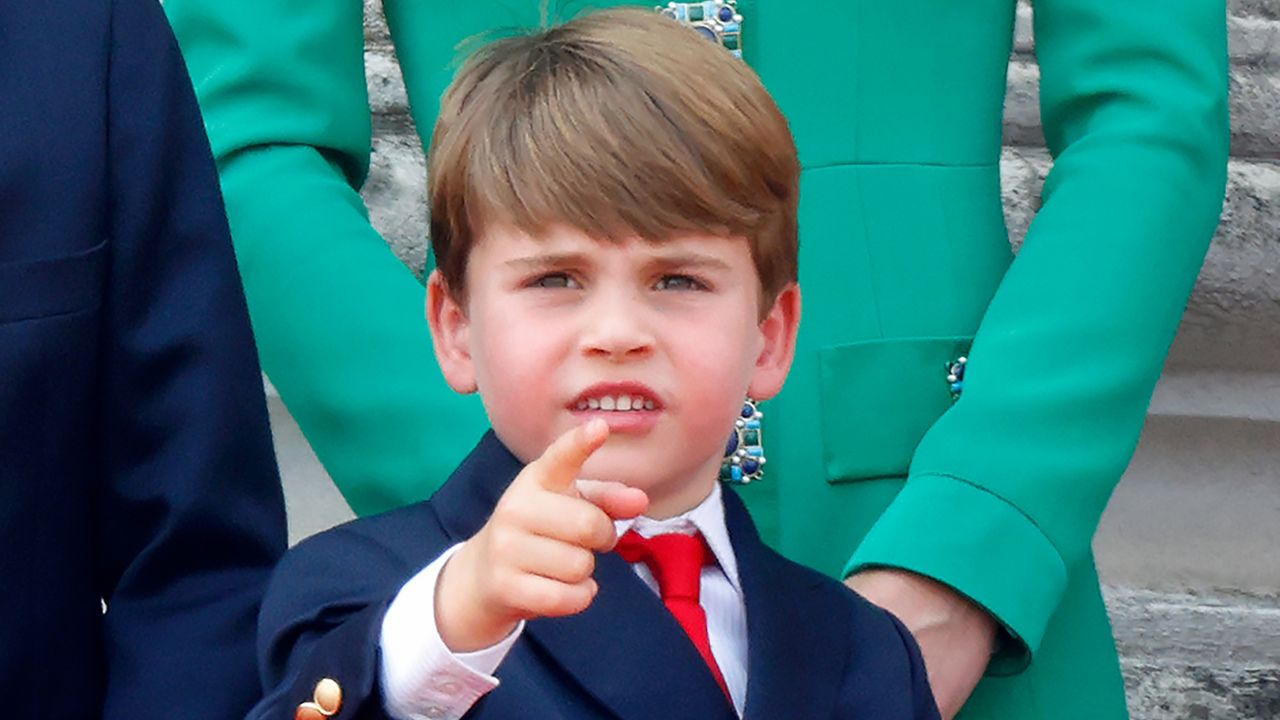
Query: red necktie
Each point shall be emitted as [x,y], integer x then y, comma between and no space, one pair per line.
[676,562]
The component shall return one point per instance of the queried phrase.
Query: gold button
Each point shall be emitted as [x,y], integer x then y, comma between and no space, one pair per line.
[328,696]
[309,711]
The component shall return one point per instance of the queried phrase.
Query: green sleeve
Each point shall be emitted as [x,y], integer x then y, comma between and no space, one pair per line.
[1006,489]
[338,319]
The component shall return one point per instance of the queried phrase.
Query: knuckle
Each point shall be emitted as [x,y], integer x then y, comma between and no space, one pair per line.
[503,513]
[502,541]
[561,599]
[533,474]
[581,565]
[578,598]
[506,588]
[588,527]
[545,598]
[601,532]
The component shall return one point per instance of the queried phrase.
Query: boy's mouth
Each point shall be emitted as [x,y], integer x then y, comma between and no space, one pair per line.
[617,397]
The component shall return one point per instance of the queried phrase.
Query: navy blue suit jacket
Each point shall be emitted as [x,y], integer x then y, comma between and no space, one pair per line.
[816,650]
[135,458]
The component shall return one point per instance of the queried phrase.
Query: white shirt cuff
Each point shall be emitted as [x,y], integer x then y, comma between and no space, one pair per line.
[421,678]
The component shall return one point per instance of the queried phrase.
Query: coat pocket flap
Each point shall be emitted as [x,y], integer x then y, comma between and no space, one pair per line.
[35,289]
[878,399]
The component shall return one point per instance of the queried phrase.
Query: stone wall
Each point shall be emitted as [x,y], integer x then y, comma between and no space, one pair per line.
[1190,546]
[1234,316]
[1236,304]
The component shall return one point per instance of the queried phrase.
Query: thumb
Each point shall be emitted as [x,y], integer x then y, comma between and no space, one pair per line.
[618,501]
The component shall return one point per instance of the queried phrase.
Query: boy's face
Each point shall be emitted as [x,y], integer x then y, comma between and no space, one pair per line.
[663,341]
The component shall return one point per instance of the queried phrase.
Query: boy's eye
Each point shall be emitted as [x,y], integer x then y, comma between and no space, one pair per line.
[554,280]
[679,282]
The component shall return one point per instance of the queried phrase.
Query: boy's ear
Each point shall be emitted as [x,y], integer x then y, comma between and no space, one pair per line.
[449,335]
[778,330]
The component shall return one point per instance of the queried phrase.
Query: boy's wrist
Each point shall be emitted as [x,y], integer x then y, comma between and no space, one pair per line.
[462,619]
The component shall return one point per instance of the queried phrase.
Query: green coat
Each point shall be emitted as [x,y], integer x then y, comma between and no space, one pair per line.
[905,265]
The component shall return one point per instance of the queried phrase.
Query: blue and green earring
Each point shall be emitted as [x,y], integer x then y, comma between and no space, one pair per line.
[716,20]
[744,452]
[955,377]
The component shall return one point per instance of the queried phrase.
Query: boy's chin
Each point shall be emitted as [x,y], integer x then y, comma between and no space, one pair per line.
[654,472]
[629,468]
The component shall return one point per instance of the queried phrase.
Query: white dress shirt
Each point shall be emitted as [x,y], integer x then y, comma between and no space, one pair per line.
[422,679]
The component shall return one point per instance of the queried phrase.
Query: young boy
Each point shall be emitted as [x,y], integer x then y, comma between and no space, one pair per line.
[613,219]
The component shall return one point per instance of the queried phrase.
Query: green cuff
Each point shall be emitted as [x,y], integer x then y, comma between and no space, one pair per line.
[977,543]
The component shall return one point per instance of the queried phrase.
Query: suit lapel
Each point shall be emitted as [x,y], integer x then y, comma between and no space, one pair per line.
[628,651]
[798,631]
[466,500]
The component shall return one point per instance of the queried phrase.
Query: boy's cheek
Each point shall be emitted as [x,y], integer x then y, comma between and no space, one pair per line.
[523,412]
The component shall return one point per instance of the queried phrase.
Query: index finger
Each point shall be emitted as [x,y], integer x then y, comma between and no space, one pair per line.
[561,463]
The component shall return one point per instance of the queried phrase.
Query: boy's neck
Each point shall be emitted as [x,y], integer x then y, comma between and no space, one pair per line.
[682,498]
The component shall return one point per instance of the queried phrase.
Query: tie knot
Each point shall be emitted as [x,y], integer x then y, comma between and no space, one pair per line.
[675,559]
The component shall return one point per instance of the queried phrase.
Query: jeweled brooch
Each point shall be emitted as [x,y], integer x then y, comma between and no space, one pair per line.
[716,20]
[955,377]
[744,452]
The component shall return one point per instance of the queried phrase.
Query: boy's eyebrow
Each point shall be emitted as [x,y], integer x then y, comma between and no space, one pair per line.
[691,260]
[535,262]
[678,259]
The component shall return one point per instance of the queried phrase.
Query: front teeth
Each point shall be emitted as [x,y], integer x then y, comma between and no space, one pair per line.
[620,403]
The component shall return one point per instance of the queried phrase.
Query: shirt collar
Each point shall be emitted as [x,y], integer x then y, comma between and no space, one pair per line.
[707,517]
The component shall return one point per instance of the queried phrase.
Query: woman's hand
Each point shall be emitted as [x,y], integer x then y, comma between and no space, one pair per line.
[955,635]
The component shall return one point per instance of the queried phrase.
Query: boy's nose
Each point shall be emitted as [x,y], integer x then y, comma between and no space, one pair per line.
[616,330]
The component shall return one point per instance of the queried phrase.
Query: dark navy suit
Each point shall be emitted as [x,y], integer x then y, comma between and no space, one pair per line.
[816,650]
[135,460]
